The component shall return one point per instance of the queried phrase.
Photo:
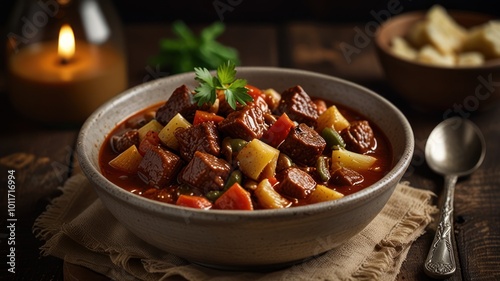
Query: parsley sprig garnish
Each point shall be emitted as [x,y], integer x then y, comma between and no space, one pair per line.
[225,81]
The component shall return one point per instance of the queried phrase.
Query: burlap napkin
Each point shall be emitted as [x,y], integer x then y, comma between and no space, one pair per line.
[78,228]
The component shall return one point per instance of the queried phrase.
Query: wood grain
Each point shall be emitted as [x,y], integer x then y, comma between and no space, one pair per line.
[46,166]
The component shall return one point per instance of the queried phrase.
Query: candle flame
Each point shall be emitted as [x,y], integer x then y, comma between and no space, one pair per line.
[66,46]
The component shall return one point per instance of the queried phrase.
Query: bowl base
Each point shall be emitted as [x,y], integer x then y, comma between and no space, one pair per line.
[255,268]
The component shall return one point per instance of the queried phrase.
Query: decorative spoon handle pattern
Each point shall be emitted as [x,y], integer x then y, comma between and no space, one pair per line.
[440,262]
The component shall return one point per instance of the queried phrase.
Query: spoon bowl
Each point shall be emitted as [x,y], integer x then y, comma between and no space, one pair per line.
[456,147]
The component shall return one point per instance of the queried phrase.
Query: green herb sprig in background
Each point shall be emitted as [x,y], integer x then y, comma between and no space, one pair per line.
[188,51]
[225,81]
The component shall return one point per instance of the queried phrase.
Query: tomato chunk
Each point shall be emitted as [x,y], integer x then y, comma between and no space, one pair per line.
[273,181]
[235,198]
[253,91]
[278,132]
[201,116]
[192,201]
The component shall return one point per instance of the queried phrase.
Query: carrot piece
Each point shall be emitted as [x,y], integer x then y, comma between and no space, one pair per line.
[201,116]
[278,132]
[192,201]
[235,198]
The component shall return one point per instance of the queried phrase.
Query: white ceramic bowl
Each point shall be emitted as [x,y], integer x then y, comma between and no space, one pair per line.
[242,239]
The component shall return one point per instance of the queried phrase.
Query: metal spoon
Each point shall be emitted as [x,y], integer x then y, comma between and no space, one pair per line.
[455,148]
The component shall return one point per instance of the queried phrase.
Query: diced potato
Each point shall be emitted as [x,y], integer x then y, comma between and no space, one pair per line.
[470,59]
[268,197]
[402,48]
[332,118]
[272,98]
[127,161]
[270,169]
[484,39]
[152,125]
[167,136]
[430,55]
[258,157]
[352,160]
[322,193]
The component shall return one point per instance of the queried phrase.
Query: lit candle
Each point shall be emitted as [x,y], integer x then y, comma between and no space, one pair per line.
[64,82]
[66,44]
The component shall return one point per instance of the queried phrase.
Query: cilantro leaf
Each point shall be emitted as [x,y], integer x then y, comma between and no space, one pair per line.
[211,32]
[186,50]
[230,98]
[225,80]
[203,75]
[205,93]
[238,83]
[226,73]
[241,95]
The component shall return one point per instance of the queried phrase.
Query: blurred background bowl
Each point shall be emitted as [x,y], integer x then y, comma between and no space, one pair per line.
[241,239]
[437,88]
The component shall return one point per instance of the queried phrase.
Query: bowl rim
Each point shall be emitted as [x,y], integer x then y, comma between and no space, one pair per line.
[420,15]
[343,205]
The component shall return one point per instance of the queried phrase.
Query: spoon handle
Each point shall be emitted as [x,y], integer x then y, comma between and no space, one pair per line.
[440,262]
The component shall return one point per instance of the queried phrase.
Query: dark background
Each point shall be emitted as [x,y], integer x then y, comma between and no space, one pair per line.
[280,12]
[264,11]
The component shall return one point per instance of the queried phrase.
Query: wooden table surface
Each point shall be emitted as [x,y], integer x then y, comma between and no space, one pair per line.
[43,158]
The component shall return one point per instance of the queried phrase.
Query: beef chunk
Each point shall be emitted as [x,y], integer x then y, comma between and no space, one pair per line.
[261,103]
[150,140]
[201,137]
[121,143]
[247,123]
[225,109]
[346,177]
[296,183]
[179,102]
[297,104]
[205,172]
[159,167]
[303,144]
[359,137]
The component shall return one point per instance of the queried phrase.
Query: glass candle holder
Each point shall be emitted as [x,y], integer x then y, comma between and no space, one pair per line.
[64,58]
